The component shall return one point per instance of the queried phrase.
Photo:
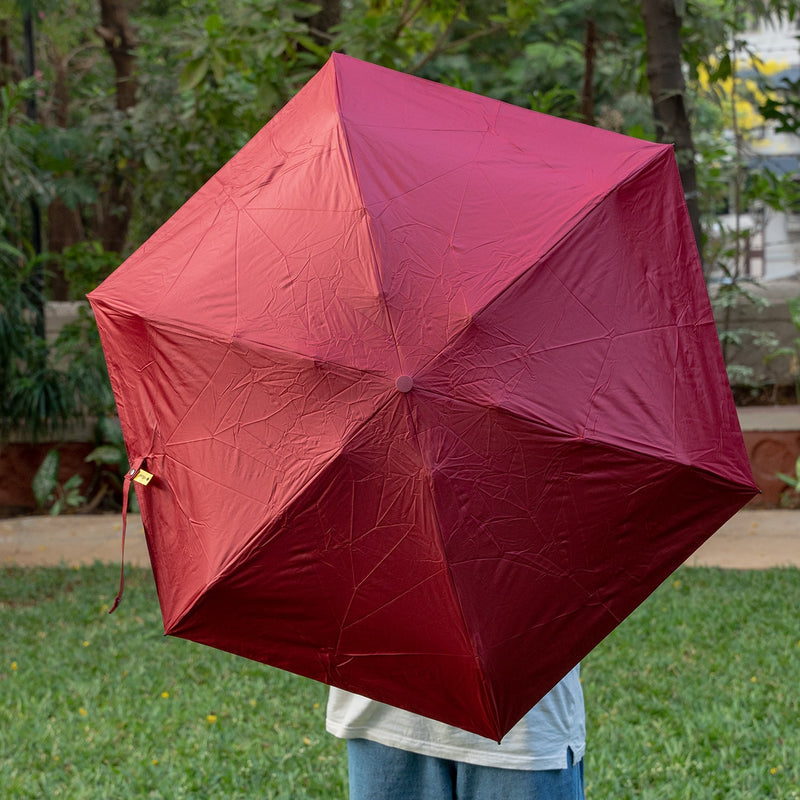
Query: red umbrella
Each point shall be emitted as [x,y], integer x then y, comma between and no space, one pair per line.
[431,392]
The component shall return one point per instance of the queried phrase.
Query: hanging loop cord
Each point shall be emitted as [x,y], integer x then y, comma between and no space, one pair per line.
[126,487]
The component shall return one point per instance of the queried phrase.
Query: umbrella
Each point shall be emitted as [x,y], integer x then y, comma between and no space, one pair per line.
[431,394]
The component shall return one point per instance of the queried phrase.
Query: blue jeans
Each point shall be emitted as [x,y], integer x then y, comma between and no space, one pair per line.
[378,772]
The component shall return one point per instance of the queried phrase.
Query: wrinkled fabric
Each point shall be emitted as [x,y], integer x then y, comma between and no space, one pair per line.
[431,392]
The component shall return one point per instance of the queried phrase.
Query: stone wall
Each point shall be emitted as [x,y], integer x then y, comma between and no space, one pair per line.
[772,439]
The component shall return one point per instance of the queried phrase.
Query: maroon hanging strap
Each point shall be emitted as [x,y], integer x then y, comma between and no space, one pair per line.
[131,475]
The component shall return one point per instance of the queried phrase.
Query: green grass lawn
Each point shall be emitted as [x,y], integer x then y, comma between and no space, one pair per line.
[697,695]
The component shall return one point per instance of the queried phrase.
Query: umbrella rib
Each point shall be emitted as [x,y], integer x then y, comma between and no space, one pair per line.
[235,488]
[584,213]
[473,163]
[391,198]
[431,129]
[197,399]
[282,170]
[489,703]
[379,287]
[208,334]
[297,498]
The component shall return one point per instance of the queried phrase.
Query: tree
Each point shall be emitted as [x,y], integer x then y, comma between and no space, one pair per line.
[321,23]
[662,22]
[137,111]
[141,111]
[120,41]
[64,223]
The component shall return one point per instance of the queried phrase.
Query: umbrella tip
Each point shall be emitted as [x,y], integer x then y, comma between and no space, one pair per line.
[405,383]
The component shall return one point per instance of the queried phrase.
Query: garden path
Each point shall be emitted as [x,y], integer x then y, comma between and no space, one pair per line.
[752,539]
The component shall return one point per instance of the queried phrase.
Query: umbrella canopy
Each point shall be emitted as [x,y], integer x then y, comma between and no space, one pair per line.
[431,392]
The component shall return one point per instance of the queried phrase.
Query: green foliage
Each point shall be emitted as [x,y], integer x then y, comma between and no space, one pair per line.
[17,309]
[45,386]
[792,352]
[732,294]
[792,480]
[79,355]
[85,265]
[61,154]
[111,458]
[34,395]
[529,53]
[211,74]
[45,480]
[784,107]
[21,178]
[112,448]
[40,397]
[52,495]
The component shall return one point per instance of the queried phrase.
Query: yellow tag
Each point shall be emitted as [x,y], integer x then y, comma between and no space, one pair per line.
[143,476]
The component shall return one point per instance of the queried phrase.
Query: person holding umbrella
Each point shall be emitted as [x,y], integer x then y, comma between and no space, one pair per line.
[396,755]
[414,355]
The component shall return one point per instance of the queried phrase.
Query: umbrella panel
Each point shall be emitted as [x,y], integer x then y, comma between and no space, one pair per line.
[568,440]
[412,589]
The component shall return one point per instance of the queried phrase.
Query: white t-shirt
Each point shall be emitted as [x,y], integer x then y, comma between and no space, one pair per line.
[538,741]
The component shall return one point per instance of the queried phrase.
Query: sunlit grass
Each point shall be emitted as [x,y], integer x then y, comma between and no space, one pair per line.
[695,696]
[99,706]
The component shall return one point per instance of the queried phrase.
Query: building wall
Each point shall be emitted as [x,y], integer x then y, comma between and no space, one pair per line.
[778,47]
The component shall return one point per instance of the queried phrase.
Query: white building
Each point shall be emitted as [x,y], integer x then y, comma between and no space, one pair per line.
[772,250]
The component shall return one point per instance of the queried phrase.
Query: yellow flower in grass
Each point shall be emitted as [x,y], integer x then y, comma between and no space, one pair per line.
[211,718]
[165,695]
[82,711]
[13,666]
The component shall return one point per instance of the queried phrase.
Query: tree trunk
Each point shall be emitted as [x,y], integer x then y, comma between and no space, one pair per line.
[64,224]
[589,52]
[662,24]
[319,25]
[120,41]
[64,228]
[9,73]
[117,34]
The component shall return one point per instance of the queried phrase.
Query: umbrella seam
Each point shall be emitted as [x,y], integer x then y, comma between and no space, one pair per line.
[568,227]
[252,542]
[490,704]
[582,436]
[367,217]
[204,333]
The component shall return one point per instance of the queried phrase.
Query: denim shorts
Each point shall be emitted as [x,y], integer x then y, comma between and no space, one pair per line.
[378,772]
